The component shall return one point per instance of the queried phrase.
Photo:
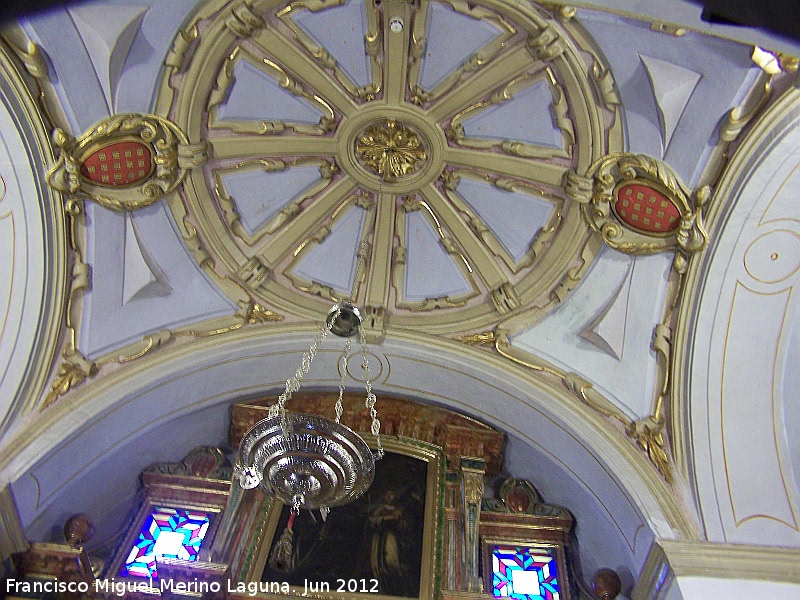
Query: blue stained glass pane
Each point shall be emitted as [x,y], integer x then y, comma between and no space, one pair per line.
[524,573]
[167,532]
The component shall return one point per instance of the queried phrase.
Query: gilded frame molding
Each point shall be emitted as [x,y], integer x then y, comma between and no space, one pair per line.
[430,577]
[24,79]
[600,197]
[169,149]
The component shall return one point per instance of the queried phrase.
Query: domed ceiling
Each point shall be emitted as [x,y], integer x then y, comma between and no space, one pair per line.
[434,139]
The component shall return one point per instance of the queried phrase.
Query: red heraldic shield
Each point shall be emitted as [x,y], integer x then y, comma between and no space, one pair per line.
[646,209]
[119,163]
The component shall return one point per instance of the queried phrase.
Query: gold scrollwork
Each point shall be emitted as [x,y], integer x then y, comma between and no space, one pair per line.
[648,433]
[259,314]
[547,43]
[180,45]
[243,21]
[164,156]
[657,214]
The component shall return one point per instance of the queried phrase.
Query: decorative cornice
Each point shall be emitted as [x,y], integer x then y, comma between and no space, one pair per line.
[684,558]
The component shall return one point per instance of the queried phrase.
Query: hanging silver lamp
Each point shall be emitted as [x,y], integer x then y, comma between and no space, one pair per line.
[308,461]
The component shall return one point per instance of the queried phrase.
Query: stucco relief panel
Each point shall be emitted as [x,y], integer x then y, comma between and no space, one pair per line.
[748,380]
[22,268]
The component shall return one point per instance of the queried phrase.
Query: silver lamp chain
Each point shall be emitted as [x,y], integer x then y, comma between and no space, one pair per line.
[342,372]
[370,402]
[375,427]
[293,383]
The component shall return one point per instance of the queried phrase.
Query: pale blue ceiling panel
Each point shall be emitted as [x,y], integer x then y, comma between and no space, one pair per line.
[341,31]
[70,67]
[430,271]
[512,217]
[109,322]
[333,262]
[451,38]
[259,195]
[527,117]
[255,96]
[725,71]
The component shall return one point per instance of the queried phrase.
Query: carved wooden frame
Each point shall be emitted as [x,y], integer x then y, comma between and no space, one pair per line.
[172,490]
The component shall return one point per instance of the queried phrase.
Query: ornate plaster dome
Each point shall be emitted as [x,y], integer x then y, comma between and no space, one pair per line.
[437,136]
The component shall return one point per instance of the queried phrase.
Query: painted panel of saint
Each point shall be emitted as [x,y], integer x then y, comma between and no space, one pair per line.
[377,538]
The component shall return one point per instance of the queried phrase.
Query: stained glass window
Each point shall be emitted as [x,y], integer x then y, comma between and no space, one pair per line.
[524,573]
[167,532]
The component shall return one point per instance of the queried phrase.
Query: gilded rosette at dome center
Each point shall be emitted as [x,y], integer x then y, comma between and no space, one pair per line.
[390,149]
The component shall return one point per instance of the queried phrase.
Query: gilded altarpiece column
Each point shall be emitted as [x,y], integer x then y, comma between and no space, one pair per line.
[471,478]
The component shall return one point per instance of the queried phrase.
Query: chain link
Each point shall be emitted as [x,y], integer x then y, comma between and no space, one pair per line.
[342,373]
[371,399]
[293,383]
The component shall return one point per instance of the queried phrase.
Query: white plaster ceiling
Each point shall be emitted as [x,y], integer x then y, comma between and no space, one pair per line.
[669,95]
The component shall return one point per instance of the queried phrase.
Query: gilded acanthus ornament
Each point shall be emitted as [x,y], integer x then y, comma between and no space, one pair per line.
[72,372]
[259,314]
[485,338]
[473,487]
[649,434]
[391,149]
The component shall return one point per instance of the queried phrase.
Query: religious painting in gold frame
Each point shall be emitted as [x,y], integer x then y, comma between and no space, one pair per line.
[386,544]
